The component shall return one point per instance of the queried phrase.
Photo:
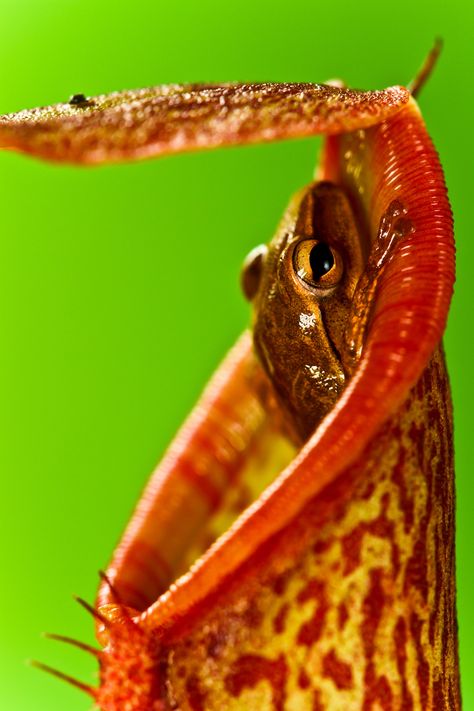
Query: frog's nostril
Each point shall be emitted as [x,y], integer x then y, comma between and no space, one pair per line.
[252,271]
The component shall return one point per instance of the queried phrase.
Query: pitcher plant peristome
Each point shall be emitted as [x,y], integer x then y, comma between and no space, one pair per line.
[294,548]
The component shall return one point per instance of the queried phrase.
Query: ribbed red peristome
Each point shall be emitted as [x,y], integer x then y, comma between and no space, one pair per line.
[394,160]
[397,160]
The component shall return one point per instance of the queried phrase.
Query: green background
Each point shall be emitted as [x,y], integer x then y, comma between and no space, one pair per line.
[105,347]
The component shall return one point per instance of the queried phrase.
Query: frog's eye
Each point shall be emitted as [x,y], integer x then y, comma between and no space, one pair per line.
[252,271]
[317,264]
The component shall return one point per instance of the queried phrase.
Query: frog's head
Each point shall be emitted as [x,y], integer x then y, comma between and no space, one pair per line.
[301,286]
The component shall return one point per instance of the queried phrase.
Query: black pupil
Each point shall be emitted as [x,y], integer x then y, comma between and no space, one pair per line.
[321,260]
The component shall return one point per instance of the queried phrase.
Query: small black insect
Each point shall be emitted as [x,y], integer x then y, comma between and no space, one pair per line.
[80,100]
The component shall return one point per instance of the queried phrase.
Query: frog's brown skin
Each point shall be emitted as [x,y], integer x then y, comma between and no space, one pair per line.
[299,327]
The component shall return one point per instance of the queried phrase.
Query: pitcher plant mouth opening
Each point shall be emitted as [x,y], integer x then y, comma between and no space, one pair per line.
[294,547]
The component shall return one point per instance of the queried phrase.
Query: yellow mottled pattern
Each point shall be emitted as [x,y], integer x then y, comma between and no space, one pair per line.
[352,606]
[261,467]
